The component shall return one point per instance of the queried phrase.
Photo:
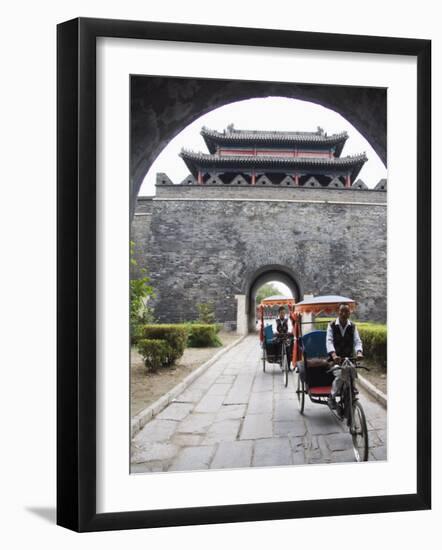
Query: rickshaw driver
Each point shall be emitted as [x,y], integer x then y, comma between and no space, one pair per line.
[282,327]
[341,341]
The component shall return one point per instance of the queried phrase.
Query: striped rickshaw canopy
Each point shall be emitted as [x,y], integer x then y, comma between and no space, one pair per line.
[324,304]
[277,300]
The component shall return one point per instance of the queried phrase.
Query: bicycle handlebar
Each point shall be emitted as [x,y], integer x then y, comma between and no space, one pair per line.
[356,365]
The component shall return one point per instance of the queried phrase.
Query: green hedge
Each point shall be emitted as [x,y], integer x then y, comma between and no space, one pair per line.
[320,323]
[174,335]
[374,340]
[203,335]
[156,353]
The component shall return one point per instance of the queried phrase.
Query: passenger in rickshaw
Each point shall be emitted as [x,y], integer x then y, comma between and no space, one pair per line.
[342,340]
[282,327]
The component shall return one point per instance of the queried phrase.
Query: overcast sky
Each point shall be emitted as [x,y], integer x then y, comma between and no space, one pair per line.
[273,113]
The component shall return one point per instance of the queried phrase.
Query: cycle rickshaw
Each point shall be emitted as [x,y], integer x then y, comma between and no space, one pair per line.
[275,347]
[315,372]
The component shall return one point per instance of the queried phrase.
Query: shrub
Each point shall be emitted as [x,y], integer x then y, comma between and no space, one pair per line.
[374,340]
[321,323]
[203,335]
[156,353]
[206,313]
[174,335]
[136,328]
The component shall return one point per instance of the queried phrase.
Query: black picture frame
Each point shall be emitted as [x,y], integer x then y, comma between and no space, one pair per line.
[76,273]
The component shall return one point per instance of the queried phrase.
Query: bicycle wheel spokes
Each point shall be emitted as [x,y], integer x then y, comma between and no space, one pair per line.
[285,369]
[300,393]
[359,433]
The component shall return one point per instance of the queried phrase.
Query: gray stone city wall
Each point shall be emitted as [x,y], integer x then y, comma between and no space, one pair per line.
[198,250]
[272,193]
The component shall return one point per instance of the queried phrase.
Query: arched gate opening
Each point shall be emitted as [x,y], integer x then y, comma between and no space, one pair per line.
[263,275]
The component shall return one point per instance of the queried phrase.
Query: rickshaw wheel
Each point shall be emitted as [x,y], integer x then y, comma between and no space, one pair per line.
[285,369]
[300,393]
[359,433]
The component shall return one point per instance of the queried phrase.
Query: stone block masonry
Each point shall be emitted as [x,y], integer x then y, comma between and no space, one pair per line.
[207,244]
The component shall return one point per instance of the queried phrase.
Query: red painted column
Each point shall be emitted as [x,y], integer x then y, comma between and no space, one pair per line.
[296,178]
[347,182]
[253,178]
[200,177]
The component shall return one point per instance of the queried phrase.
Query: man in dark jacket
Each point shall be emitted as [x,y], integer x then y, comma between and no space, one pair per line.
[343,340]
[282,327]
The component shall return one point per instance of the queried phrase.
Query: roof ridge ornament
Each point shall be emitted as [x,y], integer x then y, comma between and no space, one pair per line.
[231,132]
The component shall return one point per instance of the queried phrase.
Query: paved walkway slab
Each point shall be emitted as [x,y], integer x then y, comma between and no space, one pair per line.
[237,416]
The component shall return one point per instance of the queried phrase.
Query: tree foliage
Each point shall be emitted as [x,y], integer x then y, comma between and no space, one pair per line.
[206,313]
[265,291]
[141,292]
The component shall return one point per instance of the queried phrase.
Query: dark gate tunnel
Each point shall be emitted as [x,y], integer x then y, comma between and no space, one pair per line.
[162,107]
[262,276]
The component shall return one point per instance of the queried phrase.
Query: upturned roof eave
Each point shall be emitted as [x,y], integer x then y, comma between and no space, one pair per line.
[190,165]
[356,171]
[200,160]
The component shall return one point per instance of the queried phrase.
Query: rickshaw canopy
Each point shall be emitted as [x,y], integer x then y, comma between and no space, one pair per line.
[323,304]
[277,300]
[316,305]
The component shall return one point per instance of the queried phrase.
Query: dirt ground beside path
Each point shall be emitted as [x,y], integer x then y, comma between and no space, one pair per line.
[146,387]
[377,375]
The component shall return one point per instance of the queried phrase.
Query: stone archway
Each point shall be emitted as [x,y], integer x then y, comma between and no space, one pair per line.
[161,107]
[263,275]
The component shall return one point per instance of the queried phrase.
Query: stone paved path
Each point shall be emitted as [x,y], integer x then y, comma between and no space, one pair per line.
[235,415]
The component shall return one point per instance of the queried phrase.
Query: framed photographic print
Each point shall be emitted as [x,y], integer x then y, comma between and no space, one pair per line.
[243,241]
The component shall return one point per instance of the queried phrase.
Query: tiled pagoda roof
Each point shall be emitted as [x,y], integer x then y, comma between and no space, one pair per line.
[231,136]
[195,161]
